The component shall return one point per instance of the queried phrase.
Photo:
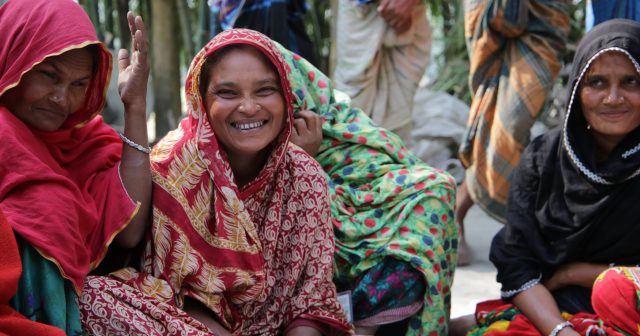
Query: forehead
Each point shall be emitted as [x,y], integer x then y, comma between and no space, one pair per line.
[613,59]
[75,60]
[245,60]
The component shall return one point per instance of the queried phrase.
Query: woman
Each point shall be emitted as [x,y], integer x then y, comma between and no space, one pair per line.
[69,186]
[571,210]
[392,214]
[241,236]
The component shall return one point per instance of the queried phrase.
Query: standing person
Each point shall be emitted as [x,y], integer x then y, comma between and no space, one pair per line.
[282,21]
[515,48]
[572,209]
[382,51]
[69,185]
[241,238]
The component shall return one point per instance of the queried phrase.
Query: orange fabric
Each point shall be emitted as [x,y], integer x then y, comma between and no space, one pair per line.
[12,323]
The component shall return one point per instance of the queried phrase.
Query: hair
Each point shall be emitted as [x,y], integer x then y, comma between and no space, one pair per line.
[217,56]
[94,50]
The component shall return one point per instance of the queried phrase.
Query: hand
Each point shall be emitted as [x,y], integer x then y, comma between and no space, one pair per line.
[578,273]
[307,131]
[397,13]
[133,72]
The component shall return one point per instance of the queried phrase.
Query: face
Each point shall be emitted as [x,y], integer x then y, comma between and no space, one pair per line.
[610,98]
[244,102]
[53,90]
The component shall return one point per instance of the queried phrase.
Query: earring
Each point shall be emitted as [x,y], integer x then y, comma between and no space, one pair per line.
[588,126]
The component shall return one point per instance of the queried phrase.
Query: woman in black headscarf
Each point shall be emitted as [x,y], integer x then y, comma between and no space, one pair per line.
[572,208]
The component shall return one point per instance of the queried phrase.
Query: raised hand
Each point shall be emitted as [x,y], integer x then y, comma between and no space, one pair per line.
[133,70]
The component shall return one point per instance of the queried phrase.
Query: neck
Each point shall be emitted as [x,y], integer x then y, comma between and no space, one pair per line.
[246,167]
[605,146]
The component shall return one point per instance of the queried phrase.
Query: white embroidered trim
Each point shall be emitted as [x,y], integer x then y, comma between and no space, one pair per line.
[527,285]
[572,155]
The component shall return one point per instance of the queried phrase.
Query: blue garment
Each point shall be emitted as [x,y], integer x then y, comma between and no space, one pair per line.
[280,20]
[599,11]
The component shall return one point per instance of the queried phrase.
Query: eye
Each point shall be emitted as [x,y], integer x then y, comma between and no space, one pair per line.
[267,90]
[80,84]
[596,82]
[226,93]
[49,74]
[631,81]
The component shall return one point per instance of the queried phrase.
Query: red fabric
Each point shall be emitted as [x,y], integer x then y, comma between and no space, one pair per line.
[258,257]
[615,298]
[61,191]
[522,326]
[12,323]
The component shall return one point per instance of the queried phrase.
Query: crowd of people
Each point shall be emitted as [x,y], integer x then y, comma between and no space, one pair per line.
[283,206]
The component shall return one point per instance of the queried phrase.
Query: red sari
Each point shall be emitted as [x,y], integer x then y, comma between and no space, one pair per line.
[12,323]
[61,191]
[260,257]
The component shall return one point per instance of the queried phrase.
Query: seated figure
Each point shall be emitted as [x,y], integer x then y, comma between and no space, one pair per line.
[571,212]
[241,241]
[69,186]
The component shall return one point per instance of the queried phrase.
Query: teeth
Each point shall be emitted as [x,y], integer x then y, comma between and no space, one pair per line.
[248,126]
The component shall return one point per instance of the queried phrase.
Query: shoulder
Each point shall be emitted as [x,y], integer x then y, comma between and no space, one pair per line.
[302,164]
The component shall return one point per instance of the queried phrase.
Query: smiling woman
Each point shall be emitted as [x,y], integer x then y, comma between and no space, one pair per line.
[242,237]
[245,106]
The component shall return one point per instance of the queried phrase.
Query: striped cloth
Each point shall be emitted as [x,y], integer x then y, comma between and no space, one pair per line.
[515,48]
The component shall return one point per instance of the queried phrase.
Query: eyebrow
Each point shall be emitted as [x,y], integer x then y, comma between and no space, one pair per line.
[260,82]
[53,64]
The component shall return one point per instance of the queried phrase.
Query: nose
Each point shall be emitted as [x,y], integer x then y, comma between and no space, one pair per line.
[249,106]
[614,96]
[59,96]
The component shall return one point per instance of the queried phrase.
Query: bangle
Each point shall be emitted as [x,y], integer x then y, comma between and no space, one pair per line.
[126,140]
[559,328]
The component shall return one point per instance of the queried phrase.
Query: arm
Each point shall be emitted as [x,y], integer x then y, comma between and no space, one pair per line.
[307,131]
[199,312]
[135,168]
[398,13]
[537,304]
[303,331]
[580,274]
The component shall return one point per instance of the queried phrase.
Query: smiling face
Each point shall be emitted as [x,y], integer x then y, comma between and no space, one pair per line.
[610,98]
[52,90]
[244,101]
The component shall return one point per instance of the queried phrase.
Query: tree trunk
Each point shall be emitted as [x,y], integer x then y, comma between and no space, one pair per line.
[165,65]
[123,25]
[185,28]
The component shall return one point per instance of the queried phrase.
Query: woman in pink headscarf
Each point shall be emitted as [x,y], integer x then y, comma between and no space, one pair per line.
[69,186]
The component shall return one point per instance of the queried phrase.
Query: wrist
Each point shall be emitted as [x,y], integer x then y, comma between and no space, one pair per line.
[560,327]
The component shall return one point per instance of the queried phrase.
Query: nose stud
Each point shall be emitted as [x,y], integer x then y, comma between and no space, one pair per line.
[258,107]
[56,98]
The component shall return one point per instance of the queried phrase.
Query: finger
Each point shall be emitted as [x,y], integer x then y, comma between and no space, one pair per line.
[131,22]
[300,125]
[142,39]
[307,116]
[123,60]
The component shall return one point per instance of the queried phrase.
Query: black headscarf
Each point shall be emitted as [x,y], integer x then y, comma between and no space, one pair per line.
[564,205]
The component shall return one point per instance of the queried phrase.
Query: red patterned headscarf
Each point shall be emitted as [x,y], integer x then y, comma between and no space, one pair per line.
[60,191]
[259,257]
